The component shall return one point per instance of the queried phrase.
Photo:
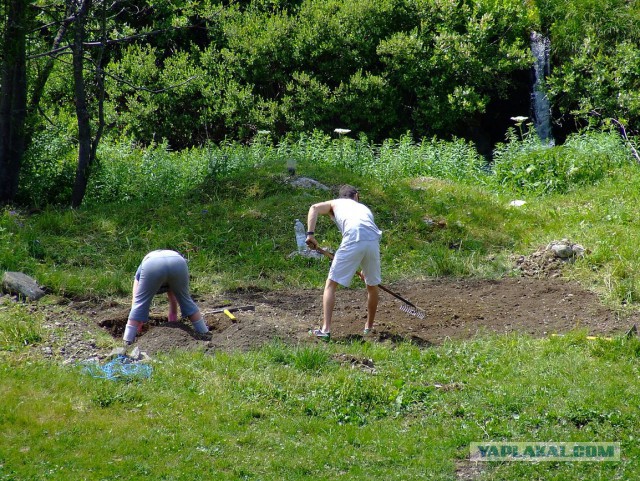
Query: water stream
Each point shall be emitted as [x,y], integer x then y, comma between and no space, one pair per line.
[540,47]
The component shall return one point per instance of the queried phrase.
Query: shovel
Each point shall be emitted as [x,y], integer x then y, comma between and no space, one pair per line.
[407,306]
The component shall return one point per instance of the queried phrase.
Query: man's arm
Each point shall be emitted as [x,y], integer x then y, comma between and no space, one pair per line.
[322,208]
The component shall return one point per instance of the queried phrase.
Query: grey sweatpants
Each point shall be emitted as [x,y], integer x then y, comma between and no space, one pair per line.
[161,267]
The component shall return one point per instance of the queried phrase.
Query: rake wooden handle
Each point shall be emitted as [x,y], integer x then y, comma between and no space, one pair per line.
[397,296]
[381,286]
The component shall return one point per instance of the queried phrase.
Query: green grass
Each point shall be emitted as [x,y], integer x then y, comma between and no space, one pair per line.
[19,326]
[295,414]
[238,233]
[230,211]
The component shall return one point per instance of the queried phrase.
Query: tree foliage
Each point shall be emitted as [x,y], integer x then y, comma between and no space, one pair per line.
[596,59]
[377,66]
[186,73]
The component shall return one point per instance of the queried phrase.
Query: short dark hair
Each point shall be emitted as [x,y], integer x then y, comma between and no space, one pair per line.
[348,192]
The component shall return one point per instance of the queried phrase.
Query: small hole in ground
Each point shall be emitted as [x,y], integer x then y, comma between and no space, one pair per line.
[116,326]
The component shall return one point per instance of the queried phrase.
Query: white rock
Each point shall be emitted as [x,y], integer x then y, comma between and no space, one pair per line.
[563,251]
[135,354]
[578,250]
[307,183]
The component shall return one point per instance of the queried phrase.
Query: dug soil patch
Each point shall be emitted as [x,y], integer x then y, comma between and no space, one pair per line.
[454,309]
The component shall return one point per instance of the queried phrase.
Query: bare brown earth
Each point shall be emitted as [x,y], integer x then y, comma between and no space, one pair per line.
[454,309]
[537,302]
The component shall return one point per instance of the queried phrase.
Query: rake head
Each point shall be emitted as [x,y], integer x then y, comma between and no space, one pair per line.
[412,311]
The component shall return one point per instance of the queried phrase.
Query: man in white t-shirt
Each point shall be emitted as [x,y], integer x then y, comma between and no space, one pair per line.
[360,247]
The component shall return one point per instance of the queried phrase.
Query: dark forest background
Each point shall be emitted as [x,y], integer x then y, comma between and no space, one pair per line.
[76,73]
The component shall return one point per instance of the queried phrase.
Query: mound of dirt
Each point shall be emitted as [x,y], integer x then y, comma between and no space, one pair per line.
[549,260]
[454,309]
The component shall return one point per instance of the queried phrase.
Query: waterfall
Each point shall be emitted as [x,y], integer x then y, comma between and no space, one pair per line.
[540,47]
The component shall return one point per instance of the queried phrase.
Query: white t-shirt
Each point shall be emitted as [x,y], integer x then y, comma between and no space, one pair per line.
[355,221]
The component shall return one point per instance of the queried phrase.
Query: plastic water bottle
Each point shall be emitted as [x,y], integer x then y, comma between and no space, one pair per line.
[301,236]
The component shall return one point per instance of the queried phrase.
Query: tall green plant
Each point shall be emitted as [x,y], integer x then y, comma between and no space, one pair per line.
[527,164]
[130,173]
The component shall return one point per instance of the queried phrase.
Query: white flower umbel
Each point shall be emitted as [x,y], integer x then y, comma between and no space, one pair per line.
[342,131]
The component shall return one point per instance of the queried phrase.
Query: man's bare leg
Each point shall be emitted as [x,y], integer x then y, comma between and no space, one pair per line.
[328,303]
[373,297]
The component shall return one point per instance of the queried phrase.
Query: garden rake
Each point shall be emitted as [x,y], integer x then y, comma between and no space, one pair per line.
[407,306]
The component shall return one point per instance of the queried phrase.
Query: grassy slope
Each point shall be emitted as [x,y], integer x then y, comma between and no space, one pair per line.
[296,414]
[239,232]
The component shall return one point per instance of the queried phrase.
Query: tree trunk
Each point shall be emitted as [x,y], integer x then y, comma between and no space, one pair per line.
[85,152]
[13,100]
[40,82]
[99,79]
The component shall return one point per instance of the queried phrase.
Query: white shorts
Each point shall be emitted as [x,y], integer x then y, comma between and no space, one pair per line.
[348,258]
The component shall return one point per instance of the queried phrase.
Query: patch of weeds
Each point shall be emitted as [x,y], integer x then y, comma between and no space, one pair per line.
[311,359]
[278,353]
[581,416]
[248,416]
[529,165]
[357,400]
[304,358]
[615,348]
[19,327]
[109,394]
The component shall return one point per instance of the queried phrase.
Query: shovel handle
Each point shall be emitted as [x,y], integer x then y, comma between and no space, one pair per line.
[381,286]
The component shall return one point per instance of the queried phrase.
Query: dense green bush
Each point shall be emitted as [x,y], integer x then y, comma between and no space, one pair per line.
[380,67]
[48,170]
[192,73]
[531,165]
